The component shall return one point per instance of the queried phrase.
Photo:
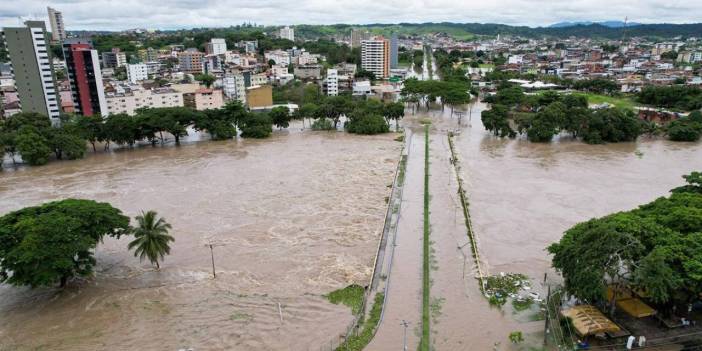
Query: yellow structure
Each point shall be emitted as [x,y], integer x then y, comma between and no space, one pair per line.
[588,320]
[259,96]
[630,304]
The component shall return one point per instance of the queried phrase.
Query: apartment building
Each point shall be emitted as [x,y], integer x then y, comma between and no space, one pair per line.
[84,77]
[191,61]
[28,48]
[331,84]
[280,57]
[137,72]
[113,59]
[58,30]
[204,99]
[375,56]
[287,33]
[234,87]
[358,35]
[216,46]
[138,97]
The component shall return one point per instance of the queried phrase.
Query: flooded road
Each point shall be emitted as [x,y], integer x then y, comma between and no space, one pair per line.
[522,197]
[292,217]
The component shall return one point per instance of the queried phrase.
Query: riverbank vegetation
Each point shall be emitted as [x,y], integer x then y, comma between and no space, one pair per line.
[351,296]
[677,97]
[655,249]
[54,242]
[543,116]
[368,327]
[450,92]
[31,135]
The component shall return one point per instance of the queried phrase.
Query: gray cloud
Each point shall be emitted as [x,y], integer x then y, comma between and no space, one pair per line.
[172,14]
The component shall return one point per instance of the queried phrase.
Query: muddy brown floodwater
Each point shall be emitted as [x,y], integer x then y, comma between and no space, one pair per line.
[292,217]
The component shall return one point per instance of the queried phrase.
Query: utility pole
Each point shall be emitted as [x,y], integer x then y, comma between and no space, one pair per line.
[214,274]
[548,297]
[404,338]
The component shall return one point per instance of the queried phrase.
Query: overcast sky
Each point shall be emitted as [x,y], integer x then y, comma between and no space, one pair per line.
[173,14]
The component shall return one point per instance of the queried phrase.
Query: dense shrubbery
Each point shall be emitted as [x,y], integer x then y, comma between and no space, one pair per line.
[656,248]
[686,128]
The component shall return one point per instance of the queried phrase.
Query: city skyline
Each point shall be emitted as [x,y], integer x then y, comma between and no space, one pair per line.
[107,15]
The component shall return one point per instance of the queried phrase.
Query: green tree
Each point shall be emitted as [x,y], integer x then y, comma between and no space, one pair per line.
[394,111]
[280,116]
[694,184]
[256,125]
[205,79]
[33,147]
[90,128]
[151,239]
[53,242]
[496,120]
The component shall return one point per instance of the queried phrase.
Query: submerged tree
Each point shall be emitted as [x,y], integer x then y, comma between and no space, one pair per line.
[53,242]
[151,238]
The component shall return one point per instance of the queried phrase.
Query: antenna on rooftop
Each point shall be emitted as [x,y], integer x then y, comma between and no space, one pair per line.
[626,22]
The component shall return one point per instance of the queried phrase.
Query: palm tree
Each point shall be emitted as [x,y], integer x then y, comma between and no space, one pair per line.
[151,238]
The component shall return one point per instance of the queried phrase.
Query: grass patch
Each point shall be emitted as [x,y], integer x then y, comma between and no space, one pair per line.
[620,102]
[486,65]
[360,341]
[403,167]
[425,121]
[351,296]
[426,312]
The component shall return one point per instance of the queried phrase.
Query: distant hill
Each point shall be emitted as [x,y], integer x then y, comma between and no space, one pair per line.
[610,24]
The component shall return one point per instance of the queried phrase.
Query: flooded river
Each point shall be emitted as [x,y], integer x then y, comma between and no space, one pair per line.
[292,217]
[525,195]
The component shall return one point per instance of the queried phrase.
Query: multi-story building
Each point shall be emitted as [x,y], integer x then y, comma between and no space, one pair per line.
[280,57]
[308,72]
[358,35]
[216,46]
[190,61]
[147,55]
[114,58]
[287,33]
[28,48]
[394,51]
[375,56]
[137,72]
[85,77]
[259,96]
[332,82]
[234,87]
[204,99]
[58,31]
[305,58]
[138,97]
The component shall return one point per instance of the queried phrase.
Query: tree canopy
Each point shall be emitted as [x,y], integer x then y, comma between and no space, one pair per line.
[656,248]
[50,243]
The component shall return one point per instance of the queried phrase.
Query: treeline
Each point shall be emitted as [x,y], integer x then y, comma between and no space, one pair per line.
[682,98]
[656,249]
[334,52]
[541,117]
[364,116]
[449,67]
[31,135]
[451,93]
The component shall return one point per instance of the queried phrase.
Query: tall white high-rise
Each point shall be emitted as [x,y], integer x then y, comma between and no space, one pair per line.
[332,82]
[137,72]
[375,56]
[58,31]
[287,33]
[217,46]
